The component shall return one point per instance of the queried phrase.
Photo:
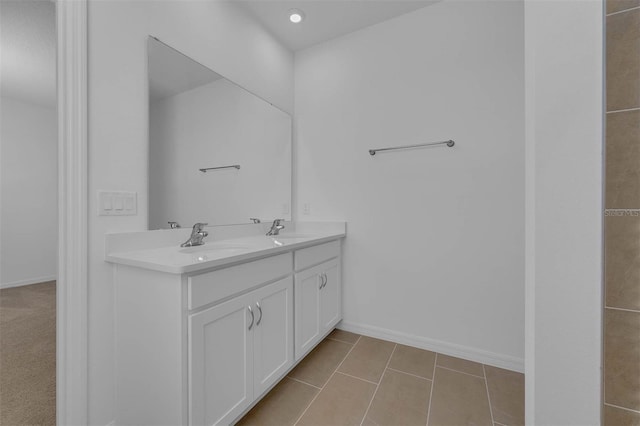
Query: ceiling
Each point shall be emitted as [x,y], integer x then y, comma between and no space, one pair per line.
[28,37]
[325,19]
[28,50]
[171,72]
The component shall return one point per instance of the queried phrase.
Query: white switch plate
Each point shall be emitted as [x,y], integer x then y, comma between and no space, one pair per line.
[117,203]
[306,210]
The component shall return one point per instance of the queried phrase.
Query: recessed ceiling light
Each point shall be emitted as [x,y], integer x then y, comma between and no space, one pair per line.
[296,16]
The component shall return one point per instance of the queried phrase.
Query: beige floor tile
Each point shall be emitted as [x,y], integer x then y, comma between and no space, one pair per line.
[619,5]
[343,401]
[413,361]
[319,365]
[344,336]
[622,257]
[618,417]
[623,157]
[458,399]
[622,358]
[282,406]
[368,359]
[369,422]
[401,399]
[623,60]
[460,364]
[506,392]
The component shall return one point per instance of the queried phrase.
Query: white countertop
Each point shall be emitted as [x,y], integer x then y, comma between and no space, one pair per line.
[216,253]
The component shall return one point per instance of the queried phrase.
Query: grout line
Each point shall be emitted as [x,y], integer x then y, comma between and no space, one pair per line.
[623,110]
[303,382]
[622,408]
[325,384]
[357,378]
[345,357]
[623,309]
[623,11]
[341,341]
[435,363]
[378,385]
[499,424]
[408,374]
[461,372]
[486,385]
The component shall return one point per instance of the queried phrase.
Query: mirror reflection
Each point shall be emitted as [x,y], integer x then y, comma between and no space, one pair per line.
[217,153]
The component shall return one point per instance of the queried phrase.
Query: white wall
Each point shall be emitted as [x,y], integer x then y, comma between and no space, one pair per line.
[29,193]
[564,114]
[218,124]
[217,35]
[435,249]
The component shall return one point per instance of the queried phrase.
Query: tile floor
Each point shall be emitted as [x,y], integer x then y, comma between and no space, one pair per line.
[356,380]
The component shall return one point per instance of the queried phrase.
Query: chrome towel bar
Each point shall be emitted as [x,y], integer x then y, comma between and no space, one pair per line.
[449,143]
[235,166]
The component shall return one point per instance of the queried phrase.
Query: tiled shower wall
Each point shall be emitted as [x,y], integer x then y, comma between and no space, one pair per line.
[622,217]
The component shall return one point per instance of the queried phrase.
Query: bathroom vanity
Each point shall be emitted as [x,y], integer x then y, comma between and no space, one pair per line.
[202,333]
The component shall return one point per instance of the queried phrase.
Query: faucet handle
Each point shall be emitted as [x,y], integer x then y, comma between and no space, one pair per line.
[174,225]
[254,219]
[197,234]
[276,222]
[198,226]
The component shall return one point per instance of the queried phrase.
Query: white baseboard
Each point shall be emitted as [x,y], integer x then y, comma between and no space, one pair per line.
[478,355]
[28,281]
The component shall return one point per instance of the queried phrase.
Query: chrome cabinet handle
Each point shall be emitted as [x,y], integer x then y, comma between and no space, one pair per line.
[252,317]
[260,309]
[321,282]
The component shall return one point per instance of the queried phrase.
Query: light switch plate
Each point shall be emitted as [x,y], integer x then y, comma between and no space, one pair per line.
[117,203]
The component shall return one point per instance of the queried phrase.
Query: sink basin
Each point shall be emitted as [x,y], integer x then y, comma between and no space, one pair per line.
[290,236]
[207,252]
[214,249]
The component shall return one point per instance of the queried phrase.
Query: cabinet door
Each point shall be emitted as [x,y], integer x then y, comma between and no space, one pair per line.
[330,296]
[307,295]
[273,333]
[221,362]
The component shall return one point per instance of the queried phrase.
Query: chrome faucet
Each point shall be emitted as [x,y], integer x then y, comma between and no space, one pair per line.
[276,227]
[174,225]
[197,234]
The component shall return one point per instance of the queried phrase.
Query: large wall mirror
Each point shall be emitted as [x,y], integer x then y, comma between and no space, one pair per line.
[217,153]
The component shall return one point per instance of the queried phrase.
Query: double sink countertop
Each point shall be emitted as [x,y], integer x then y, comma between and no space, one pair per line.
[160,250]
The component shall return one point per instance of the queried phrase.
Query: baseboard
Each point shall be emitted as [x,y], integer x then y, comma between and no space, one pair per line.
[28,282]
[478,355]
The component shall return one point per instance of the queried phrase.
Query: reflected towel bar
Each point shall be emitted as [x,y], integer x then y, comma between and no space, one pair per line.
[235,166]
[449,143]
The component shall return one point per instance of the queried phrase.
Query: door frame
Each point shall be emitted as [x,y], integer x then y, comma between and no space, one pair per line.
[72,303]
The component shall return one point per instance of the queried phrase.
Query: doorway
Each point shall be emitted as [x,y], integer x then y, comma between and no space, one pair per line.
[29,212]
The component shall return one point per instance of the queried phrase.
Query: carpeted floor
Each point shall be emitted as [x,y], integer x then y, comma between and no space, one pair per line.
[28,355]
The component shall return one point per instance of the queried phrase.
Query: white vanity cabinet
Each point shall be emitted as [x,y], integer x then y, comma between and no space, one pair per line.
[237,350]
[202,346]
[318,292]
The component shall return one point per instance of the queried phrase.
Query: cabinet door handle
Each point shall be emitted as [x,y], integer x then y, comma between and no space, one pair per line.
[252,317]
[260,309]
[321,282]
